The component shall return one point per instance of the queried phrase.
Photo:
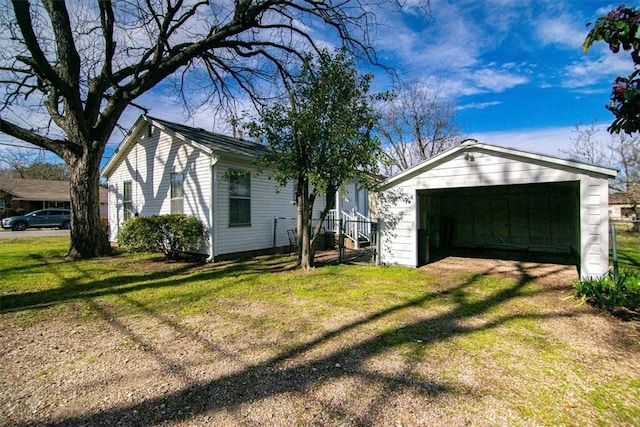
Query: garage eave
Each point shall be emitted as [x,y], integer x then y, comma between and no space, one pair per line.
[524,156]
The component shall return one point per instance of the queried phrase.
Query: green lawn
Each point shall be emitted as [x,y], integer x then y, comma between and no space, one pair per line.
[628,248]
[132,339]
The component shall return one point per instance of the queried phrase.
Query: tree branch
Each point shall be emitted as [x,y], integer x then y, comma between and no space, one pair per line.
[57,146]
[67,55]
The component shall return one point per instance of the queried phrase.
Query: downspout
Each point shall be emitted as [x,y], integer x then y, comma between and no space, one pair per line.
[213,207]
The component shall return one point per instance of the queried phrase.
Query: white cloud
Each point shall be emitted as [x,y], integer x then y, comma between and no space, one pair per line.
[469,81]
[447,39]
[479,105]
[606,9]
[497,80]
[561,30]
[589,72]
[553,141]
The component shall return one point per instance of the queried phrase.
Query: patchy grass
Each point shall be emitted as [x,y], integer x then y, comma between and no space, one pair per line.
[132,340]
[628,248]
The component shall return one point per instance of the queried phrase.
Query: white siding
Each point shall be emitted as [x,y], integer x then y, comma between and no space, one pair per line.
[397,209]
[486,169]
[267,203]
[148,166]
[594,195]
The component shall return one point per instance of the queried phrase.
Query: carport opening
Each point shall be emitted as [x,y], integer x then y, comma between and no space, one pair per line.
[528,222]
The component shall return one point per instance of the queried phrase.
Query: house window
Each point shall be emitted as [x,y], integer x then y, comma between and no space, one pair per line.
[2,204]
[177,193]
[627,212]
[127,205]
[239,198]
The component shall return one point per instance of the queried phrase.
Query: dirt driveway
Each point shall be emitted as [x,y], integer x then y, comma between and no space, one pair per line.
[444,360]
[519,270]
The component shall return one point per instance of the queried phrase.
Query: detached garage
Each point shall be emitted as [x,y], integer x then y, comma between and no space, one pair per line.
[497,202]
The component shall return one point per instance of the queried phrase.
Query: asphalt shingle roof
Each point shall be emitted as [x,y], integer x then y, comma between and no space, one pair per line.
[215,141]
[40,189]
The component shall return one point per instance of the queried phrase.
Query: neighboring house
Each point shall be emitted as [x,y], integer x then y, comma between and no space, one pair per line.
[162,167]
[482,198]
[19,196]
[621,207]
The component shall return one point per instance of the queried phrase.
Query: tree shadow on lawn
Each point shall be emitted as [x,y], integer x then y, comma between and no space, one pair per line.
[626,260]
[83,285]
[289,372]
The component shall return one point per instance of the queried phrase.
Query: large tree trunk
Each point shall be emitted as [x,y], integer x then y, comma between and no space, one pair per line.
[88,238]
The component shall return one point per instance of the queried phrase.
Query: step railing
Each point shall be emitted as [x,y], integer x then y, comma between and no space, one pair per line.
[356,226]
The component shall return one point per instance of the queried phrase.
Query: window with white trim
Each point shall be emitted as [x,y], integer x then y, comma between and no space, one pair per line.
[127,201]
[239,198]
[177,193]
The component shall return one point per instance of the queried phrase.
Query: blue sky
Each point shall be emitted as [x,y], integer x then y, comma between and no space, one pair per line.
[515,68]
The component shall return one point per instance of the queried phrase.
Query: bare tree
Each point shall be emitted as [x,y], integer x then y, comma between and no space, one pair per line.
[619,150]
[81,67]
[15,162]
[587,146]
[26,163]
[415,124]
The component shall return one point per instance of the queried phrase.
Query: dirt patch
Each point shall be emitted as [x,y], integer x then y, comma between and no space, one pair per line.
[431,364]
[590,329]
[547,274]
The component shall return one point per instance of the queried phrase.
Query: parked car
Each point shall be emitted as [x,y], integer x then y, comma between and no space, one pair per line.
[60,218]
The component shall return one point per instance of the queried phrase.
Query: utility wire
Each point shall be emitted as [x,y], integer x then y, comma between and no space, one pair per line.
[20,146]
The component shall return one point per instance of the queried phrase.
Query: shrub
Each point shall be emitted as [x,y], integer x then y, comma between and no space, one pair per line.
[607,292]
[174,235]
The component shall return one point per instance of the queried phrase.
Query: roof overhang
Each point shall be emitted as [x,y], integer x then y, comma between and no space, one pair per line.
[468,147]
[133,137]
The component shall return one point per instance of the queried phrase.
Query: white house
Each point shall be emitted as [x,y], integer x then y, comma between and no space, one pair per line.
[621,207]
[478,197]
[162,167]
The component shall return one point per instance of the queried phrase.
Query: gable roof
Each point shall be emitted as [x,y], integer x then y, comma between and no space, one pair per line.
[208,141]
[40,190]
[215,141]
[550,161]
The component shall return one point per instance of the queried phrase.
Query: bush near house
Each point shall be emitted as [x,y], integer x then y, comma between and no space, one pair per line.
[175,235]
